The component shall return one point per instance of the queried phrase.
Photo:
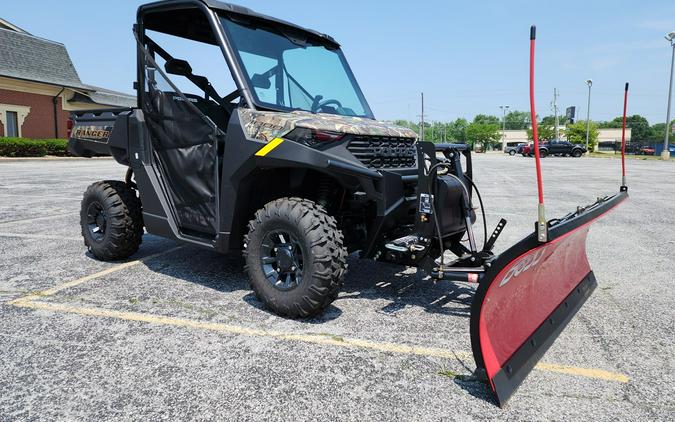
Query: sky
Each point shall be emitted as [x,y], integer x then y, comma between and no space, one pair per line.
[467,57]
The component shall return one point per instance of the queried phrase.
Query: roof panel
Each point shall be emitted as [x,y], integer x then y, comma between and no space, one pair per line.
[27,57]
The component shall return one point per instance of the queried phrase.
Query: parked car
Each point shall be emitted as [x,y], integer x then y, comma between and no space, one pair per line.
[555,147]
[646,151]
[527,150]
[513,149]
[562,148]
[520,147]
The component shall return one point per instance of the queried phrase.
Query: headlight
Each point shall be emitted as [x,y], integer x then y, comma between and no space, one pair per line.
[311,137]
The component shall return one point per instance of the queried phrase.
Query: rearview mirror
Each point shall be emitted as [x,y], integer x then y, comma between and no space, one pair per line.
[260,81]
[178,67]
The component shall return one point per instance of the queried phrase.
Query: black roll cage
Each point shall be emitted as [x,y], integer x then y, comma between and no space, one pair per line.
[212,11]
[219,39]
[200,82]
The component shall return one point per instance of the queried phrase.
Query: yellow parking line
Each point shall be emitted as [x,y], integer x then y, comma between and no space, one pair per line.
[29,301]
[78,281]
[584,372]
[323,339]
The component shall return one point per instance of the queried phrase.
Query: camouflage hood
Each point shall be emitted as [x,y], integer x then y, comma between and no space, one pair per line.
[267,125]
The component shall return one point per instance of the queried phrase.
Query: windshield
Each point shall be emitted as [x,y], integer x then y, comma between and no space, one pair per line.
[287,72]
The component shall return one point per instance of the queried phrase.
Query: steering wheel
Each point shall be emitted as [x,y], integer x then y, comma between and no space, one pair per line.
[322,104]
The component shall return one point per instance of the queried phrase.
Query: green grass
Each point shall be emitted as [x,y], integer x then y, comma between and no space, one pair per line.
[628,156]
[448,373]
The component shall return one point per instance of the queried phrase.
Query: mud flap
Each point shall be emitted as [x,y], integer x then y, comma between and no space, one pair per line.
[529,294]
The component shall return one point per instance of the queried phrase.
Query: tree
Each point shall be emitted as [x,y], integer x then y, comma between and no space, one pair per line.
[487,134]
[576,133]
[658,131]
[550,120]
[484,119]
[545,132]
[518,120]
[639,126]
[457,130]
[609,125]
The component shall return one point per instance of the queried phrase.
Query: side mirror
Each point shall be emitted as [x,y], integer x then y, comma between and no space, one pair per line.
[178,67]
[260,81]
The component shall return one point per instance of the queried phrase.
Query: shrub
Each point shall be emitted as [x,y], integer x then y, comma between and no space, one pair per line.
[24,147]
[57,147]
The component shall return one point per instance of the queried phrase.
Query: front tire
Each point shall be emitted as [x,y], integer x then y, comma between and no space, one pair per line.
[577,153]
[543,153]
[111,218]
[512,153]
[295,258]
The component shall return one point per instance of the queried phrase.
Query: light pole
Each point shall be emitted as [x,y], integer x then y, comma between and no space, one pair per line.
[589,82]
[665,155]
[504,109]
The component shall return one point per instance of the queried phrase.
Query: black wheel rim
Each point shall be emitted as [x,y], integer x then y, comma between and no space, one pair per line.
[96,221]
[281,259]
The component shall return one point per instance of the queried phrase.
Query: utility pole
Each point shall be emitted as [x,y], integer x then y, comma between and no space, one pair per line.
[422,120]
[665,155]
[555,112]
[589,82]
[504,108]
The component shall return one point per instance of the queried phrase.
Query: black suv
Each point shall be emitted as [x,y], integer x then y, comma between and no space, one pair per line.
[562,148]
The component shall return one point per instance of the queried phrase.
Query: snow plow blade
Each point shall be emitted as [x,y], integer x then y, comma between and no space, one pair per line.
[529,294]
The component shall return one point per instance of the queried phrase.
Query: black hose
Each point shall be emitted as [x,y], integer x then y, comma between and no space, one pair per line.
[482,210]
[430,180]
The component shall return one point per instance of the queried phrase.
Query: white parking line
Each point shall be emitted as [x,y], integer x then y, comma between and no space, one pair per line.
[40,236]
[25,220]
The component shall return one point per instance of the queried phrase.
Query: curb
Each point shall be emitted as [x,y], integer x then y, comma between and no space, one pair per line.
[49,158]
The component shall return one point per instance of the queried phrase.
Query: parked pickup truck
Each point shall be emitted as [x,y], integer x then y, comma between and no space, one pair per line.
[555,147]
[562,148]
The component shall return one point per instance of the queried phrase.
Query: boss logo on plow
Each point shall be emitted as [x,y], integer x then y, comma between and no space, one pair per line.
[525,264]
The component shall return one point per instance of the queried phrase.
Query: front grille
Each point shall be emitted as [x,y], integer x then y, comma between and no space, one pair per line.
[382,152]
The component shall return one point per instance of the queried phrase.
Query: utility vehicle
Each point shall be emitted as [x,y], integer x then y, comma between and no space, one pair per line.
[291,168]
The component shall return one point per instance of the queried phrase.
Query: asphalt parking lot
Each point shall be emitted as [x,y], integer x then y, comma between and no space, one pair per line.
[175,333]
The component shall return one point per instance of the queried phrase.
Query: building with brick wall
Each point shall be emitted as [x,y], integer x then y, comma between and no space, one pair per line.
[39,86]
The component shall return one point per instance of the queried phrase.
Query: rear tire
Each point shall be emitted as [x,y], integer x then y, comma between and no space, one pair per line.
[512,153]
[111,218]
[295,257]
[543,153]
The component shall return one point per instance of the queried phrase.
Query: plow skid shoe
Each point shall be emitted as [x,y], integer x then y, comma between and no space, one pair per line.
[528,295]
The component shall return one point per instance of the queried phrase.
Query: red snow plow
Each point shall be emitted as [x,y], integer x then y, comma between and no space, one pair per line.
[530,292]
